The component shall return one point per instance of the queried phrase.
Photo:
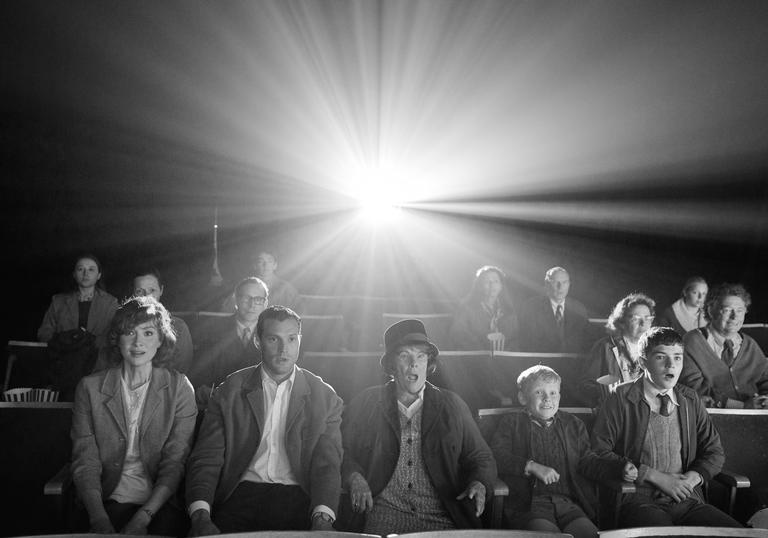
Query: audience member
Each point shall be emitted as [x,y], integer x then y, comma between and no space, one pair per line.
[615,358]
[414,458]
[554,323]
[149,283]
[281,292]
[687,313]
[486,314]
[132,428]
[726,367]
[228,344]
[269,449]
[88,308]
[658,434]
[538,452]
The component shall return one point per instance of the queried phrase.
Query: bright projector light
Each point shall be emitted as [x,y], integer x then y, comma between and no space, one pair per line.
[377,194]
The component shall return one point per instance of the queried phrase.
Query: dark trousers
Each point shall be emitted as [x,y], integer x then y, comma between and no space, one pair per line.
[262,507]
[689,512]
[168,521]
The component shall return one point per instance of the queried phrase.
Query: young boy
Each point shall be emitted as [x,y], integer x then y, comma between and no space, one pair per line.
[658,434]
[537,452]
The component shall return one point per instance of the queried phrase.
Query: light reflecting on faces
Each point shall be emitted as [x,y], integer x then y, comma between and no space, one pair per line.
[280,345]
[639,320]
[264,264]
[251,300]
[86,273]
[696,295]
[410,371]
[147,286]
[558,286]
[491,286]
[663,365]
[541,399]
[728,317]
[139,345]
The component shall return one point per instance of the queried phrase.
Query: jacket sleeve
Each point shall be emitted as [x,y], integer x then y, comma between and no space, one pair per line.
[207,458]
[176,448]
[710,455]
[603,464]
[353,434]
[692,376]
[182,353]
[86,462]
[48,326]
[593,392]
[510,462]
[476,459]
[325,471]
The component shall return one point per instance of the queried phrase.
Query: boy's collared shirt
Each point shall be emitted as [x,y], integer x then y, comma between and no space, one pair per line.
[651,392]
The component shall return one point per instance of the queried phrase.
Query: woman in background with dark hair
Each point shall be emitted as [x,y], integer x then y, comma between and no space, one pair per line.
[616,358]
[687,313]
[132,428]
[486,315]
[88,308]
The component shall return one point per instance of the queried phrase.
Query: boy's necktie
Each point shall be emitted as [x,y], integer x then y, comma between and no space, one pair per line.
[666,404]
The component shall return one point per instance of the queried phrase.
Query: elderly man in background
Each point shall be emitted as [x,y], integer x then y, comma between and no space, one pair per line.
[554,323]
[726,367]
[228,343]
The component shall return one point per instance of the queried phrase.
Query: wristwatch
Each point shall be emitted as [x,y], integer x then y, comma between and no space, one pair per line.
[149,512]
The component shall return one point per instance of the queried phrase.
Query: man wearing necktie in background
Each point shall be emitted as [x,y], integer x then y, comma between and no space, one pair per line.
[554,323]
[658,434]
[227,344]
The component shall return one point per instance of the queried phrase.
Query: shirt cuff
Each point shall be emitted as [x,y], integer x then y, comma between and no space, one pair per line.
[320,508]
[197,505]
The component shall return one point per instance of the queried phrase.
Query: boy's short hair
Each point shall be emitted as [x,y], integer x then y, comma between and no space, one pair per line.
[536,373]
[658,336]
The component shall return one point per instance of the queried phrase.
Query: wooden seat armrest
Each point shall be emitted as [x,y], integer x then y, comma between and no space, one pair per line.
[59,483]
[500,488]
[733,480]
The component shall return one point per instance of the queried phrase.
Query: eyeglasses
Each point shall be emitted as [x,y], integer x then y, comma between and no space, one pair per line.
[252,299]
[638,319]
[727,311]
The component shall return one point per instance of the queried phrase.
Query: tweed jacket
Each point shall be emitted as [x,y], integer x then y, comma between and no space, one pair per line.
[708,375]
[99,432]
[511,445]
[538,328]
[622,424]
[63,315]
[232,429]
[453,449]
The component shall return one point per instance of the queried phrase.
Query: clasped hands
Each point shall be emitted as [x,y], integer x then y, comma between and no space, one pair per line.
[678,486]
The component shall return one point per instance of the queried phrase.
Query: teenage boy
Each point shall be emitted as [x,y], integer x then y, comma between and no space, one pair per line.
[658,434]
[538,452]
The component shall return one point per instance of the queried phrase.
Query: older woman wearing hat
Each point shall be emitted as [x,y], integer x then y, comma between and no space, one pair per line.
[414,459]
